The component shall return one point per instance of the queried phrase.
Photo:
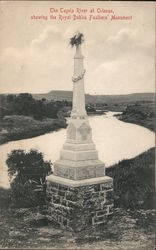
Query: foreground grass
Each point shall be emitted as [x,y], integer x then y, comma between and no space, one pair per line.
[26,228]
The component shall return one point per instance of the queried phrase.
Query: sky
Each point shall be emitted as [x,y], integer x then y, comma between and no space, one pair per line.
[35,55]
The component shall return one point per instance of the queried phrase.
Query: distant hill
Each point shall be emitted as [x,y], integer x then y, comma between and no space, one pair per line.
[67,95]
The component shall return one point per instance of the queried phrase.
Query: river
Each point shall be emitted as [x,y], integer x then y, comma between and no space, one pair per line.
[115,140]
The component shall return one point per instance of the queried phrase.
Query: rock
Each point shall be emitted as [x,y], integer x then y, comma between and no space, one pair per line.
[44,239]
[16,233]
[49,231]
[22,211]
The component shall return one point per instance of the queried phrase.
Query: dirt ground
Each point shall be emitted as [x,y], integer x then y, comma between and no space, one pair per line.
[124,231]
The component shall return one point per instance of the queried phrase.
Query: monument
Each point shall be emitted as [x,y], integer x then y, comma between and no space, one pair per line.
[79,193]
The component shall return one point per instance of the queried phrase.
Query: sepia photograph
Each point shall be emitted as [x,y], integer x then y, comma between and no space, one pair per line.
[77,125]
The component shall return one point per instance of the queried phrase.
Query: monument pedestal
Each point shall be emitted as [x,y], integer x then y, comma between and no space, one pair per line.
[76,205]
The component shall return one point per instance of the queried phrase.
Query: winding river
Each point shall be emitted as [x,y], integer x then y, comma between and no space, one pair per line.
[115,140]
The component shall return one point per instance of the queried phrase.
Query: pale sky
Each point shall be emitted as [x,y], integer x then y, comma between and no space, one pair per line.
[36,56]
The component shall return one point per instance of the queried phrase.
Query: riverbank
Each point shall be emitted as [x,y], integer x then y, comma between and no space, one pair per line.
[141,114]
[18,127]
[22,127]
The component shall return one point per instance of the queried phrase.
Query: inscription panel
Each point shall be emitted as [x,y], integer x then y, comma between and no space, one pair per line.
[84,131]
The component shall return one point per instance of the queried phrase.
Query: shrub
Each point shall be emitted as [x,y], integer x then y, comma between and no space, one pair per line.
[4,197]
[27,172]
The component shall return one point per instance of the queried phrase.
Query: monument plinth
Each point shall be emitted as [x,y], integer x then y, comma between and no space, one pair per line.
[78,191]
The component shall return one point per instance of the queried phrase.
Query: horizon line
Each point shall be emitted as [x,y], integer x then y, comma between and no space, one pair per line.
[43,93]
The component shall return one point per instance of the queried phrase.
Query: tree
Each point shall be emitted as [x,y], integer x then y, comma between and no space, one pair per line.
[27,172]
[23,104]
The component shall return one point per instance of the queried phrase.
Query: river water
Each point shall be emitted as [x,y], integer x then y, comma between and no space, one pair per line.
[115,140]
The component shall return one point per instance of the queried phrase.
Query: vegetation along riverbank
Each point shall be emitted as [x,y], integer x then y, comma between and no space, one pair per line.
[142,113]
[21,127]
[21,117]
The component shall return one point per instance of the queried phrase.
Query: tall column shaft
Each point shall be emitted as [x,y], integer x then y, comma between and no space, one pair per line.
[78,85]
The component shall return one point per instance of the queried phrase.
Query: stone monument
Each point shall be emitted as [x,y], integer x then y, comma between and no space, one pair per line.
[79,193]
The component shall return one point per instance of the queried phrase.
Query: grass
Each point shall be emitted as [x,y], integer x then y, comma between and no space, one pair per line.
[19,229]
[134,182]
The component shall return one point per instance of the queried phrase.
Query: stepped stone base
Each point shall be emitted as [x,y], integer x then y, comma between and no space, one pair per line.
[76,205]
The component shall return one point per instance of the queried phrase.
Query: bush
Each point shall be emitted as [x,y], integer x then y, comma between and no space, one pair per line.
[27,172]
[4,197]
